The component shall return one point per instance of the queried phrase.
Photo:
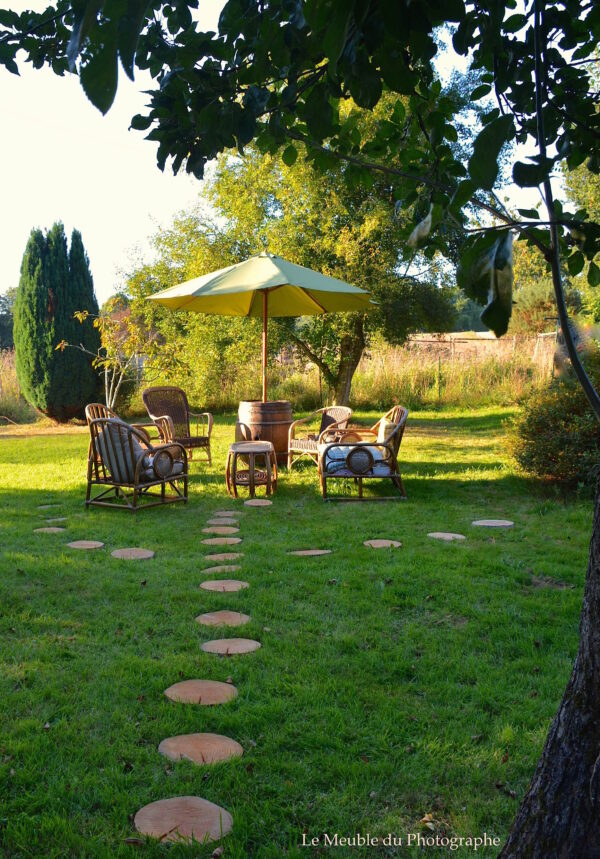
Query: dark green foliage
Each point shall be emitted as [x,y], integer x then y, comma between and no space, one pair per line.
[556,437]
[6,319]
[53,286]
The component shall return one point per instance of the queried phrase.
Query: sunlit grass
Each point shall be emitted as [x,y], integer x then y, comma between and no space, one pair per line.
[390,685]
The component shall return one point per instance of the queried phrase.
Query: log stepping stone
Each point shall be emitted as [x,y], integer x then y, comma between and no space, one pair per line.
[309,553]
[133,554]
[223,568]
[46,506]
[224,585]
[222,520]
[223,618]
[56,519]
[204,692]
[258,502]
[85,544]
[493,523]
[225,513]
[221,541]
[224,556]
[446,536]
[220,529]
[183,818]
[382,544]
[51,529]
[230,646]
[200,748]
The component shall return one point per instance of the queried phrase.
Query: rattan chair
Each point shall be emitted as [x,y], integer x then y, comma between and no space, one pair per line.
[168,407]
[307,444]
[127,467]
[361,453]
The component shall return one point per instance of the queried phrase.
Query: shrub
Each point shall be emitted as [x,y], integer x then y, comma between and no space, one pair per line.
[53,286]
[556,436]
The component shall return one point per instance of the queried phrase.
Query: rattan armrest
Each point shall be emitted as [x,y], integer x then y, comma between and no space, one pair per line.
[294,424]
[165,427]
[203,416]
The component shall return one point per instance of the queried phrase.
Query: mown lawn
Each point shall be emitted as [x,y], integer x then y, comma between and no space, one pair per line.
[390,684]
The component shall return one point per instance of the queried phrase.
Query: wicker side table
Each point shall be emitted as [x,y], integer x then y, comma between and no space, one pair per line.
[251,477]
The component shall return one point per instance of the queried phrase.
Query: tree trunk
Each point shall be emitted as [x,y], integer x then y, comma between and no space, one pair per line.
[351,349]
[560,815]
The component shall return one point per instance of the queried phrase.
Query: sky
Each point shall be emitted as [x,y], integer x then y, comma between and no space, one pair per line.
[63,161]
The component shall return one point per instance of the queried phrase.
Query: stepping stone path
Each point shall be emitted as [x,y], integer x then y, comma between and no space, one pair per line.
[493,523]
[46,506]
[223,568]
[56,519]
[258,502]
[222,520]
[183,818]
[85,544]
[200,748]
[220,529]
[49,530]
[223,618]
[228,513]
[224,585]
[133,554]
[447,536]
[230,646]
[224,556]
[204,692]
[382,544]
[221,541]
[307,553]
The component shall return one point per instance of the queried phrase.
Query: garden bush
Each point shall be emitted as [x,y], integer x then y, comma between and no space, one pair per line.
[556,436]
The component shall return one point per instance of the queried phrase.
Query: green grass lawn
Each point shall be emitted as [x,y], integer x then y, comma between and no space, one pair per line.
[390,684]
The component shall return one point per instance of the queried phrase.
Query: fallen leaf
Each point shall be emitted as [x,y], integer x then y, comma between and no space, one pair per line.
[218,851]
[364,759]
[47,726]
[373,794]
[136,841]
[505,757]
[144,583]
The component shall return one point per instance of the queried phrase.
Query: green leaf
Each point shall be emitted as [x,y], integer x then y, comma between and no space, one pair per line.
[317,112]
[485,273]
[462,195]
[130,26]
[481,92]
[99,76]
[575,263]
[593,274]
[483,164]
[289,155]
[140,122]
[86,14]
[531,175]
[530,214]
[336,33]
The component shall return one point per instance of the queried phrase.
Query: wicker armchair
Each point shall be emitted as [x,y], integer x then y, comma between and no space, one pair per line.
[364,453]
[168,407]
[126,466]
[332,417]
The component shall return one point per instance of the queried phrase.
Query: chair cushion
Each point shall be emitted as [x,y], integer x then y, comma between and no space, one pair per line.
[386,428]
[118,454]
[326,421]
[335,459]
[149,475]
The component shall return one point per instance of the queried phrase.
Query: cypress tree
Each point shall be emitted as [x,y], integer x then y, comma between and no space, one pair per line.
[53,286]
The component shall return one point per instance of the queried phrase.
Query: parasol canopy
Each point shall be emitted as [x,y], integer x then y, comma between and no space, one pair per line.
[263,286]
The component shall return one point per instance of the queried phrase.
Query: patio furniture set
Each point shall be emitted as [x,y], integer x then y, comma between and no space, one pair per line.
[132,469]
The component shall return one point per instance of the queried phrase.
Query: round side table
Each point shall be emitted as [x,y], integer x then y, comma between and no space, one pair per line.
[251,477]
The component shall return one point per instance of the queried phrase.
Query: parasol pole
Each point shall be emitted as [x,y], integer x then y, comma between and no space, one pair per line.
[264,347]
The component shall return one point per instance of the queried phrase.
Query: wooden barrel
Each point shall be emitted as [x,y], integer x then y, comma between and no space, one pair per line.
[258,421]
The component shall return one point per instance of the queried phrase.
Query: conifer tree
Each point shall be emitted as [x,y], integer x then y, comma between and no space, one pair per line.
[53,286]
